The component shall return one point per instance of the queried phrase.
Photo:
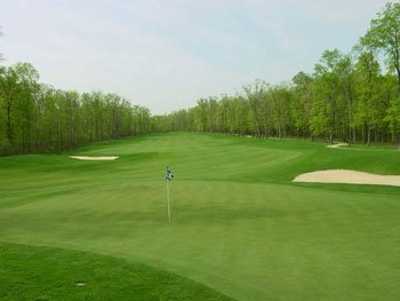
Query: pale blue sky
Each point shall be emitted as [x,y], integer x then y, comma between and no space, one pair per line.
[166,54]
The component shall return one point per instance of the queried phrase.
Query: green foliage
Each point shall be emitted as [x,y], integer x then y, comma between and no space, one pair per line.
[37,118]
[347,98]
[384,35]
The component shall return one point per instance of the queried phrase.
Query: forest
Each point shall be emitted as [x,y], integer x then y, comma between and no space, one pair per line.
[39,118]
[352,97]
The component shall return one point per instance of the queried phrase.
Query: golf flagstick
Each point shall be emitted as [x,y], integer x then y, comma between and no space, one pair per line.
[168,178]
[169,203]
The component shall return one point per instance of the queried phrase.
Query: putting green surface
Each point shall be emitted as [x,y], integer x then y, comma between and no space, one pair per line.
[240,228]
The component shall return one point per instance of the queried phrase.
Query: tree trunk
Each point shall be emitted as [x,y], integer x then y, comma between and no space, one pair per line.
[369,137]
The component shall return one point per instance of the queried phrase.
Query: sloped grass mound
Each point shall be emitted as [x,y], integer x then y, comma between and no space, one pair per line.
[41,273]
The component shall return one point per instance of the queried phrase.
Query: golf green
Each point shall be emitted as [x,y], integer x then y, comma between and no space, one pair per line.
[98,230]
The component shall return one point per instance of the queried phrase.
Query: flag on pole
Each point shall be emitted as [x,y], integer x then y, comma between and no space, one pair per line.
[169,176]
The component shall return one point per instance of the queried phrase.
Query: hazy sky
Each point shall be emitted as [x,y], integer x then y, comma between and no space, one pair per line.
[166,54]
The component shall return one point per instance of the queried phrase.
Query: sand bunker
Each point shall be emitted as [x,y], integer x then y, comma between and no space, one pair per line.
[347,177]
[337,145]
[107,158]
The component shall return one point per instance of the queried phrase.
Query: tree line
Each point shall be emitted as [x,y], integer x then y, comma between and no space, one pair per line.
[350,97]
[39,118]
[353,97]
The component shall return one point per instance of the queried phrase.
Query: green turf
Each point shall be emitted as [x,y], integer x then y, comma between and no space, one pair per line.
[39,273]
[241,227]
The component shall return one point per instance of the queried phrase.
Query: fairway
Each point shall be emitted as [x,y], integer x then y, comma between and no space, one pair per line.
[241,228]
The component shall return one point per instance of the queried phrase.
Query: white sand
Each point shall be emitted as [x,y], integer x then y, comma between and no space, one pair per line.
[337,145]
[347,177]
[108,158]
